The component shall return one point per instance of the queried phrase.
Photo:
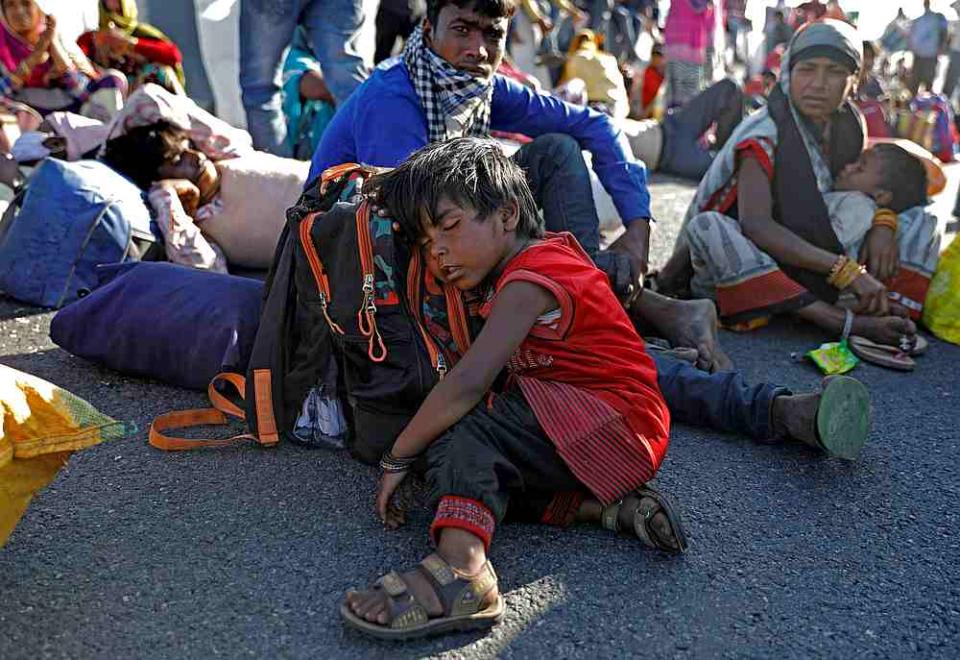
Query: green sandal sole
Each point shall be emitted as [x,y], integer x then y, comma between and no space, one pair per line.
[843,417]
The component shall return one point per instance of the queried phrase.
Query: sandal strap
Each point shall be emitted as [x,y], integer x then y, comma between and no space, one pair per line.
[610,516]
[458,595]
[405,610]
[393,584]
[641,528]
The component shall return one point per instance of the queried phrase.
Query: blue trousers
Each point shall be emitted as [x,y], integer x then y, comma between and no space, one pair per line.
[560,182]
[340,34]
[722,401]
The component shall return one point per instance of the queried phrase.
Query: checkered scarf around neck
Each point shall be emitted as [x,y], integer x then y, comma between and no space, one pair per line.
[447,93]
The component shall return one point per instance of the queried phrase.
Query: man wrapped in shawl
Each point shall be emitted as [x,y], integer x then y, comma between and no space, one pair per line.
[141,51]
[39,68]
[761,237]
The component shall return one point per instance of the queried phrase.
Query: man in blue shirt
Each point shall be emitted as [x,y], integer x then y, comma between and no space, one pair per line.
[444,86]
[388,118]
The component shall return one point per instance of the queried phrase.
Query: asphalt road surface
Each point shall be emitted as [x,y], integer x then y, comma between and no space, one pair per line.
[247,552]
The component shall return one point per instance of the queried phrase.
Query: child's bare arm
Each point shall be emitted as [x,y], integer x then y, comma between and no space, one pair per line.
[514,312]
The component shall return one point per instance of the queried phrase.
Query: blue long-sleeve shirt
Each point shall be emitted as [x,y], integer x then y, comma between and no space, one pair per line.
[382,123]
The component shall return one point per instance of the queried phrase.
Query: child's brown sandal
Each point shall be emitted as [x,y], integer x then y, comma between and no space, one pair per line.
[642,519]
[463,600]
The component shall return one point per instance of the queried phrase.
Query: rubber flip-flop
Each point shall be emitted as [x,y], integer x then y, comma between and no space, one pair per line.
[843,417]
[882,355]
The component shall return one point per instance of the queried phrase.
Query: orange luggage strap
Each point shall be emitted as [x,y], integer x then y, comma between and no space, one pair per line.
[414,279]
[367,314]
[316,267]
[220,412]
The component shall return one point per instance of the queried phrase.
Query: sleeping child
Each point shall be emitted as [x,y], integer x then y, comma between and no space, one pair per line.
[885,188]
[574,433]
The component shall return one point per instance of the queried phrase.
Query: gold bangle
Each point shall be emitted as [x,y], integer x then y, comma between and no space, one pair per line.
[889,224]
[836,268]
[886,218]
[848,274]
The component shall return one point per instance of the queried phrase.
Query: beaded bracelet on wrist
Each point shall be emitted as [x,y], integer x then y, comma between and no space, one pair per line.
[390,463]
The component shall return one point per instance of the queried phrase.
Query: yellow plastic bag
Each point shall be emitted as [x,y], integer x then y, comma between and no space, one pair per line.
[941,310]
[40,426]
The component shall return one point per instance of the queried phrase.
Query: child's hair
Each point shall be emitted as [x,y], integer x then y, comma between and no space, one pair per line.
[488,8]
[904,176]
[139,153]
[471,172]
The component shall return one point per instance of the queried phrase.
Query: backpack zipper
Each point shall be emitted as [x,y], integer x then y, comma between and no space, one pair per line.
[316,267]
[367,314]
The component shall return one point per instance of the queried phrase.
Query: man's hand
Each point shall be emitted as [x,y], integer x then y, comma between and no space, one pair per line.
[635,243]
[186,190]
[880,253]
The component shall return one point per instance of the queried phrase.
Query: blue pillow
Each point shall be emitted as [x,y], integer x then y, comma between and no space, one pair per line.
[159,320]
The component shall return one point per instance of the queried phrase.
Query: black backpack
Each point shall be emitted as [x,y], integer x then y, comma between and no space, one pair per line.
[349,303]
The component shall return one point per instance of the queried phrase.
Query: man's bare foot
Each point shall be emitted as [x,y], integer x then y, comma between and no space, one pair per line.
[688,324]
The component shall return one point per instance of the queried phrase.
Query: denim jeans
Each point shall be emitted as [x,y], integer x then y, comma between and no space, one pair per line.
[560,182]
[722,401]
[683,154]
[340,34]
[953,75]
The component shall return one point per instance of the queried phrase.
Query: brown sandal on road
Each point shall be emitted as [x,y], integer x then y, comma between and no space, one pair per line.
[464,599]
[635,513]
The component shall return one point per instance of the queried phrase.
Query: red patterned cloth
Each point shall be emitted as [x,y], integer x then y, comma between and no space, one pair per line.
[585,373]
[466,514]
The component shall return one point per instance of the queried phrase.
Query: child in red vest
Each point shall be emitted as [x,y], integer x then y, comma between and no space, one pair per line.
[574,434]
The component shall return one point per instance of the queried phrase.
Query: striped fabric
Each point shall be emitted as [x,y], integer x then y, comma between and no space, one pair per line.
[593,439]
[747,282]
[562,509]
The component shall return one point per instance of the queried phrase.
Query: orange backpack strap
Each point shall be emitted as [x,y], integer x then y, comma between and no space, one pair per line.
[220,412]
